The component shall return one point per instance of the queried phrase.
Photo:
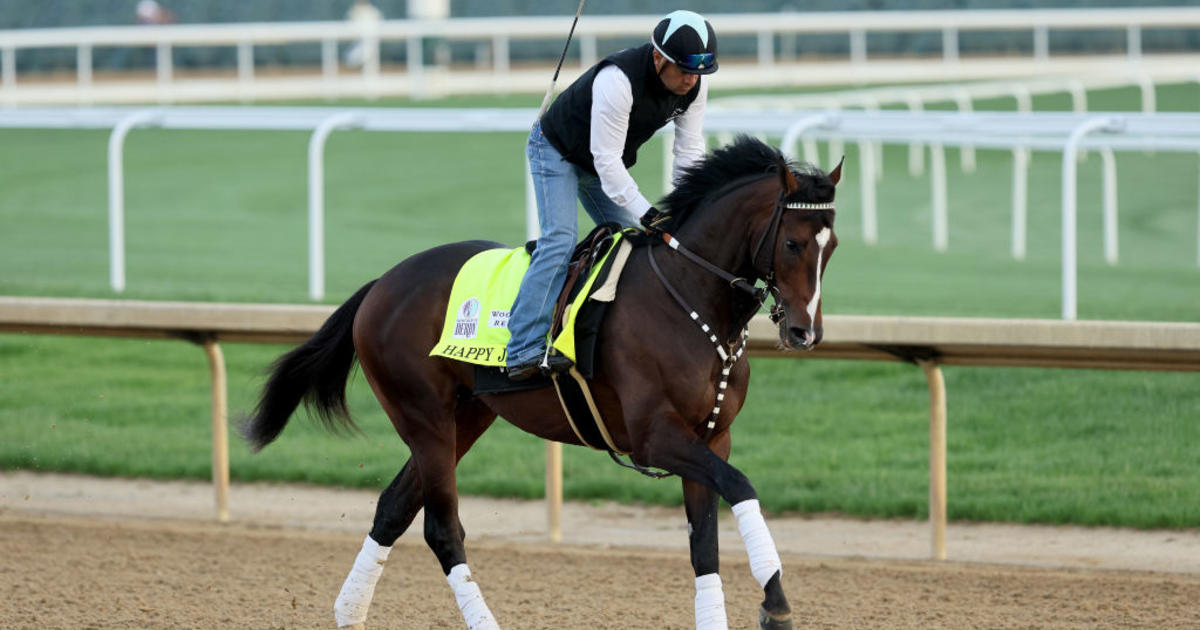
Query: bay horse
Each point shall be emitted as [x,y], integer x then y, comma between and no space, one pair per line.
[741,215]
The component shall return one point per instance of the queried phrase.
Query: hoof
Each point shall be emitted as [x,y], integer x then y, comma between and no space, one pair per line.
[767,621]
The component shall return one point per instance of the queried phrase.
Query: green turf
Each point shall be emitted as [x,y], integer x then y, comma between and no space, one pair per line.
[221,216]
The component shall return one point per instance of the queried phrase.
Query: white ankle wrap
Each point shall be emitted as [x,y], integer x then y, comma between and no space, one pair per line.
[764,559]
[710,603]
[358,589]
[470,600]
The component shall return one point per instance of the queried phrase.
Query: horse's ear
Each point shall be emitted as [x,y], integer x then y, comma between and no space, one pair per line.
[835,175]
[787,179]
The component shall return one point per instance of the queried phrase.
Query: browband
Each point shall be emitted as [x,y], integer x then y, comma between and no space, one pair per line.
[828,205]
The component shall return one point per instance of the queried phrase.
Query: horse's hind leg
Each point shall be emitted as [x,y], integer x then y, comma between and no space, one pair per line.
[436,463]
[397,507]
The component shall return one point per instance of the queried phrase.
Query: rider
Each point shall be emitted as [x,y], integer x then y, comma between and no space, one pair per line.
[583,147]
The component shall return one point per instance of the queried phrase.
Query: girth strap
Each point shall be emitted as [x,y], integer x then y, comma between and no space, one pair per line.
[582,413]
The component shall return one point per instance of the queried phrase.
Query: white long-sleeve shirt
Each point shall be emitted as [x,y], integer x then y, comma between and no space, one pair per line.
[612,100]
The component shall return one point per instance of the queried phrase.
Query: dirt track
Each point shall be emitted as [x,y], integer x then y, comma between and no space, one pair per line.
[62,568]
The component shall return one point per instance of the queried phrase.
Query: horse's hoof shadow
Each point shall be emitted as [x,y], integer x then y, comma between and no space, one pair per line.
[767,621]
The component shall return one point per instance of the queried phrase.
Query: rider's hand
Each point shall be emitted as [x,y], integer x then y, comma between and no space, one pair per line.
[653,220]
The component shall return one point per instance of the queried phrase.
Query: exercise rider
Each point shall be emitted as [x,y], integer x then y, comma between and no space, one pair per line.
[582,149]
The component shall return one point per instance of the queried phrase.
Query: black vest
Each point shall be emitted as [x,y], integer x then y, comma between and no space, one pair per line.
[567,124]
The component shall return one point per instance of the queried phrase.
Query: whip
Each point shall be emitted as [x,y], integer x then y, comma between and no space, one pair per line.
[550,91]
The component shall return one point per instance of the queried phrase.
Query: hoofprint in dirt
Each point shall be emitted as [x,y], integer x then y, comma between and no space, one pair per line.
[73,572]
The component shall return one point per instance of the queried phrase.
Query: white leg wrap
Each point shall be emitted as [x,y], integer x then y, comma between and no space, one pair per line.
[358,589]
[470,600]
[764,559]
[710,603]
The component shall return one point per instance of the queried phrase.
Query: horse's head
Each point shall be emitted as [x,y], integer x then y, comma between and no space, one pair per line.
[793,249]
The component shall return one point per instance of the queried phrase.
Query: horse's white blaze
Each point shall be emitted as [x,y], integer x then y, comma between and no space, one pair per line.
[822,239]
[354,600]
[710,603]
[470,600]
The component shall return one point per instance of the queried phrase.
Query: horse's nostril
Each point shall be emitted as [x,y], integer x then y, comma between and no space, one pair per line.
[803,335]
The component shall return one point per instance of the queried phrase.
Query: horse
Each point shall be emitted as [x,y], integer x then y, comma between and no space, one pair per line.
[742,216]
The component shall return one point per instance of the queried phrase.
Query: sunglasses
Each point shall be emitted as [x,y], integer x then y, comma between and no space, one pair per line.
[696,62]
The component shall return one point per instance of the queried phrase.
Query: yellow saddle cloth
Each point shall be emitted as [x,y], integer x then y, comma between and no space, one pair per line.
[476,326]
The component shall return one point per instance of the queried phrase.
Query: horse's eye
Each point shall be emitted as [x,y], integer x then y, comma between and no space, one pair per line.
[794,247]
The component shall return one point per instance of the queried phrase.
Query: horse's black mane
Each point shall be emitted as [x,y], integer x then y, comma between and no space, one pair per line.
[746,157]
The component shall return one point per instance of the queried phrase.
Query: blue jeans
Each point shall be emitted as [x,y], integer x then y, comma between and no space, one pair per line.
[556,184]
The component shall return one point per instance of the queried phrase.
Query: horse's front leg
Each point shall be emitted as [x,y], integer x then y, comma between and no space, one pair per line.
[691,459]
[700,503]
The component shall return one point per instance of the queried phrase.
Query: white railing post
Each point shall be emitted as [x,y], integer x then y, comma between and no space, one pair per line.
[766,49]
[1069,221]
[937,178]
[870,227]
[1020,201]
[1110,205]
[1041,43]
[500,59]
[1133,43]
[1078,96]
[316,198]
[245,66]
[416,66]
[950,44]
[966,152]
[837,148]
[1024,98]
[116,193]
[1149,100]
[858,46]
[83,66]
[587,51]
[8,67]
[916,150]
[871,105]
[329,67]
[370,67]
[164,70]
[811,154]
[8,76]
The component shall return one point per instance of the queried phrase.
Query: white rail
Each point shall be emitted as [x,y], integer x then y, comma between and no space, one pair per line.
[1017,132]
[499,33]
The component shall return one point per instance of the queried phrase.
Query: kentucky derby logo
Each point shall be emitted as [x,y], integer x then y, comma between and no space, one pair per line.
[467,323]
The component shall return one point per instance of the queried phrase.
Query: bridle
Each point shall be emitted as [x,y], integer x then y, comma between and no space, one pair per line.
[758,294]
[771,234]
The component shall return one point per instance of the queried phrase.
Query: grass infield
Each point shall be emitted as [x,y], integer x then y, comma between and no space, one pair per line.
[221,216]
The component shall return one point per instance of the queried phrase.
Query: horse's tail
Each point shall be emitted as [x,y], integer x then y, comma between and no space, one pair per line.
[315,373]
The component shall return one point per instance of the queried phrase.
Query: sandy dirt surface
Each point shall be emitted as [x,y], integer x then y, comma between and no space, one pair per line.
[79,552]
